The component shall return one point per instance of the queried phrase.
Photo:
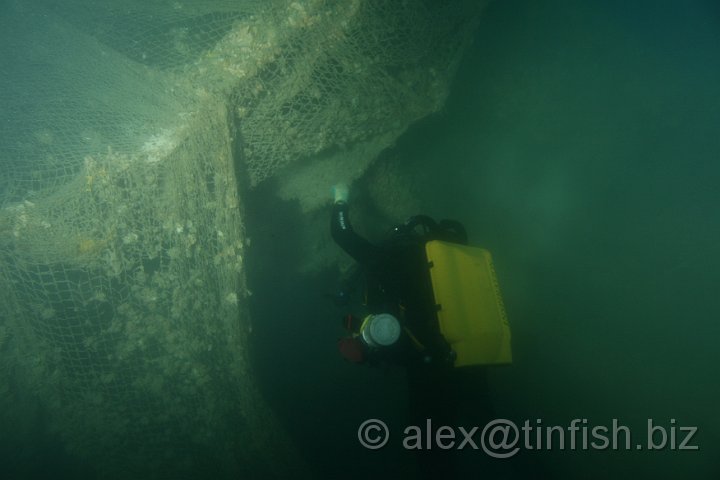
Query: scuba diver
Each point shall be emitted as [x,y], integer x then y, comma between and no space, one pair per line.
[402,326]
[412,280]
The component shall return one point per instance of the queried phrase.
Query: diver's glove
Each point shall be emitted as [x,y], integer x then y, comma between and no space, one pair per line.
[340,192]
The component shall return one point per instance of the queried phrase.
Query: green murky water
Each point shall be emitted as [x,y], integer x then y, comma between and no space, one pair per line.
[580,144]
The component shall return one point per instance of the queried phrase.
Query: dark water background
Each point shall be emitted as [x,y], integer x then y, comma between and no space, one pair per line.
[581,145]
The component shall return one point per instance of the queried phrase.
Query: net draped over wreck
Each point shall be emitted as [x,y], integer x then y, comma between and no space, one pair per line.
[131,131]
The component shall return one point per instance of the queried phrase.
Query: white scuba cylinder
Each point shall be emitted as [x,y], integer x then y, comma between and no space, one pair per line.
[381,330]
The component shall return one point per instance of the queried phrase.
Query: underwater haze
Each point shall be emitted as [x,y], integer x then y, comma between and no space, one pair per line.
[580,145]
[167,312]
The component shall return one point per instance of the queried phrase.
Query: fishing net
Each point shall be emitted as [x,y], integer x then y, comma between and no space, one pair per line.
[130,132]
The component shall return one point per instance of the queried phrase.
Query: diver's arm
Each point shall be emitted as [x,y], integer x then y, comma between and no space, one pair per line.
[365,253]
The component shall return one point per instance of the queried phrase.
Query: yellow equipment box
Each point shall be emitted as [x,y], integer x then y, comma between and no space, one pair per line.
[470,308]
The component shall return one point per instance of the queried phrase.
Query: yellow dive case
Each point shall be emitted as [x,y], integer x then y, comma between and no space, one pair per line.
[469,306]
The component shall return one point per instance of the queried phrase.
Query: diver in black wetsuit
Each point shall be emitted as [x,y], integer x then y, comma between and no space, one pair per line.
[398,283]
